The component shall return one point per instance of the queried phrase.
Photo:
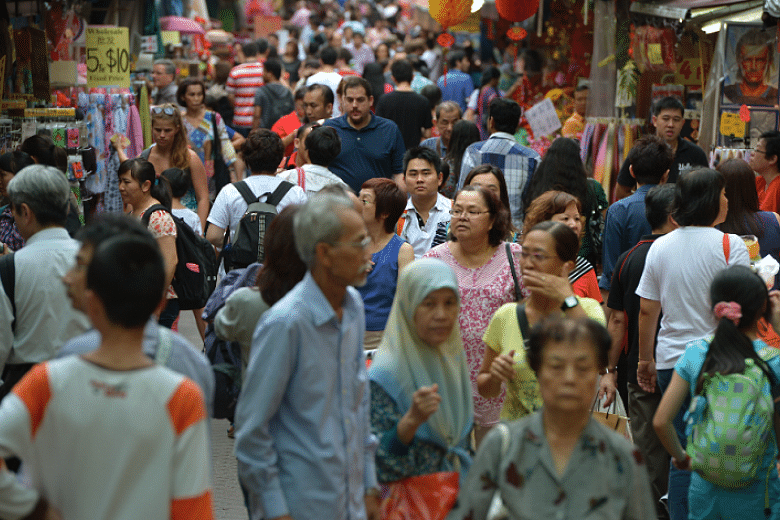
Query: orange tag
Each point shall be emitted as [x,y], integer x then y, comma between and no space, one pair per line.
[744,113]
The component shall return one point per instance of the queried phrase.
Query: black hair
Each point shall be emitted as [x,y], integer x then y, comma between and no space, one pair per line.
[323,145]
[356,82]
[743,217]
[263,151]
[560,170]
[388,200]
[582,87]
[496,172]
[772,142]
[558,329]
[142,170]
[182,90]
[697,197]
[40,148]
[464,134]
[14,161]
[327,93]
[533,61]
[249,49]
[345,55]
[262,45]
[432,93]
[274,67]
[567,243]
[649,158]
[730,347]
[374,73]
[454,57]
[179,180]
[109,225]
[283,268]
[505,114]
[668,103]
[402,71]
[659,204]
[426,154]
[127,274]
[489,74]
[328,55]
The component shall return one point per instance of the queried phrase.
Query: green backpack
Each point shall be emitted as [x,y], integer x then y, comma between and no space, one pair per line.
[729,426]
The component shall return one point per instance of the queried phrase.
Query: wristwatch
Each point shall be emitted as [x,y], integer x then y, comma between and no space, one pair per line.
[569,303]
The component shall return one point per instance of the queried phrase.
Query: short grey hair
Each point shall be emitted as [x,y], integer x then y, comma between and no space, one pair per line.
[448,106]
[318,221]
[45,190]
[170,68]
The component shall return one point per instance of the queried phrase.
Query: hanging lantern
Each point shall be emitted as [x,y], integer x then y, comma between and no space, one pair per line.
[450,12]
[517,10]
[516,34]
[446,40]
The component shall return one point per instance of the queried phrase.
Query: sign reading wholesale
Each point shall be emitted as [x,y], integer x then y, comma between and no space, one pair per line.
[108,57]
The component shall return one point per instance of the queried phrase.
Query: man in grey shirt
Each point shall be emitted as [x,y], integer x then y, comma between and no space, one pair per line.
[168,348]
[163,76]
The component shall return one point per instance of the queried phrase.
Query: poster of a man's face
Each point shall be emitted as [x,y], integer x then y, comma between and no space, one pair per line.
[751,66]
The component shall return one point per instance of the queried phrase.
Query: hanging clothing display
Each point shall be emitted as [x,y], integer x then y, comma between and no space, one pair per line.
[604,146]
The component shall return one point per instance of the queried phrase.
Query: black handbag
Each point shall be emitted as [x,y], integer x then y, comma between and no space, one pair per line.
[221,172]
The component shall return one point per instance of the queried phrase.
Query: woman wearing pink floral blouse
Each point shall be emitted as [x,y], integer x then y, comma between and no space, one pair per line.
[478,256]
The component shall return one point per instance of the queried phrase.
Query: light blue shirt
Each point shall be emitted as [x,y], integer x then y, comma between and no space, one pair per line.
[303,434]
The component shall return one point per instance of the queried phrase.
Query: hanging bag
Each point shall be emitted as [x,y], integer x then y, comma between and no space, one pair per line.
[423,497]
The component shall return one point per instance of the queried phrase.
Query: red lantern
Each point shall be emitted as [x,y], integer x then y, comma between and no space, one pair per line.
[517,10]
[449,12]
[516,33]
[446,40]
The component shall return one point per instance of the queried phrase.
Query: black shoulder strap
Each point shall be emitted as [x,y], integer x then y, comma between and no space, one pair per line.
[279,193]
[522,321]
[145,154]
[148,213]
[514,273]
[8,279]
[245,192]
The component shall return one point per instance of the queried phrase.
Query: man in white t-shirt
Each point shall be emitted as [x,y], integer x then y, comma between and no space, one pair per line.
[327,75]
[317,147]
[262,151]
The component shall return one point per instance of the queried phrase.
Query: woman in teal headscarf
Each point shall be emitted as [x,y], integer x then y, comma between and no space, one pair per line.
[421,404]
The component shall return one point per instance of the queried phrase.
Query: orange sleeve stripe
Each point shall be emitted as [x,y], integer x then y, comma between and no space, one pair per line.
[193,508]
[35,393]
[186,407]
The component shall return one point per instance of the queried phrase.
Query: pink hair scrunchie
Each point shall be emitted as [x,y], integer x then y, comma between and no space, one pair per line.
[730,310]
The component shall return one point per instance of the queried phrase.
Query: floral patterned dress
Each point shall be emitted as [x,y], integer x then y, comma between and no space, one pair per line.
[161,224]
[201,139]
[482,291]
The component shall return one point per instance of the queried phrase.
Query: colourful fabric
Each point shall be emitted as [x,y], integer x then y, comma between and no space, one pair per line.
[243,82]
[574,126]
[9,233]
[768,196]
[285,126]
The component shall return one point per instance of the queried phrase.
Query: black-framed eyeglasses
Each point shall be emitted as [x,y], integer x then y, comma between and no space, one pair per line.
[459,213]
[536,257]
[168,111]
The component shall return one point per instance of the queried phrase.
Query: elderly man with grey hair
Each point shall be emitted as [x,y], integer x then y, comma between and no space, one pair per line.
[303,435]
[163,75]
[35,315]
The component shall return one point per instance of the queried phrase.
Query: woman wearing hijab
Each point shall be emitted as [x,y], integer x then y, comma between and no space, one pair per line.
[421,404]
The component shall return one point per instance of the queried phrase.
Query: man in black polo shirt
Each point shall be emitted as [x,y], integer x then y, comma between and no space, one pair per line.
[625,316]
[668,119]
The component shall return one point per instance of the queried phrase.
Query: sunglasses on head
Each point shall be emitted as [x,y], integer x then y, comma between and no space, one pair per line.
[168,111]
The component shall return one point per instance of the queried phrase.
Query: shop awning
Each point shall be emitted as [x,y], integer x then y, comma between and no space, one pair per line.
[696,11]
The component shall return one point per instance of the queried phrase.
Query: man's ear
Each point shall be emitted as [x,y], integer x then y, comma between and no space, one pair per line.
[664,177]
[321,254]
[631,171]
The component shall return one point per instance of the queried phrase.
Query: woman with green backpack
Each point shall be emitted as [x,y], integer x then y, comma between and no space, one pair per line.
[732,444]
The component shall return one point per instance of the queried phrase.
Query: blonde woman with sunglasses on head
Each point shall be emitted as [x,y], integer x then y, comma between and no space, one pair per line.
[170,150]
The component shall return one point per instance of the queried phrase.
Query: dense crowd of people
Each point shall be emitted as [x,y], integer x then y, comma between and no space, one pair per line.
[410,291]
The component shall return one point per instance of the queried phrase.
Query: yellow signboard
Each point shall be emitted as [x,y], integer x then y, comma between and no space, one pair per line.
[731,125]
[170,37]
[108,57]
[654,53]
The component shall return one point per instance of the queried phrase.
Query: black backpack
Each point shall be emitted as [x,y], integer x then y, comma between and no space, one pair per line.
[247,247]
[196,271]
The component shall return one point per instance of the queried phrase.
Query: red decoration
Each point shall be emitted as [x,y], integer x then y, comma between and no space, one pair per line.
[744,113]
[517,10]
[516,33]
[445,40]
[450,12]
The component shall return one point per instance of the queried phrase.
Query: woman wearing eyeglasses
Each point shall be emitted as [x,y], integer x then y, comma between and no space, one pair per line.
[170,150]
[477,254]
[549,253]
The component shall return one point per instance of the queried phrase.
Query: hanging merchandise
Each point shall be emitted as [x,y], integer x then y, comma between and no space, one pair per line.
[653,49]
[628,79]
[517,10]
[449,12]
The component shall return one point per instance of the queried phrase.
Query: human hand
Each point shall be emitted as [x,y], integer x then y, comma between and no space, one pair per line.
[683,464]
[556,288]
[52,514]
[425,402]
[372,507]
[646,376]
[774,303]
[608,387]
[502,368]
[5,250]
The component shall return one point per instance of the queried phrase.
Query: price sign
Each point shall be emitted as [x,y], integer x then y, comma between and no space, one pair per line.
[688,72]
[654,53]
[543,118]
[108,57]
[149,44]
[732,125]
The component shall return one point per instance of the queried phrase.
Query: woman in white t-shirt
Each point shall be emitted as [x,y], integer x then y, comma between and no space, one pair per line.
[262,152]
[679,270]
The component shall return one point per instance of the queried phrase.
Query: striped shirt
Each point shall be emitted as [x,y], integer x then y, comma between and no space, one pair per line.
[517,162]
[243,82]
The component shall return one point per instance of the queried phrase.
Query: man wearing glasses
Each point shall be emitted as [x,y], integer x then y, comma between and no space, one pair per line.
[303,434]
[763,160]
